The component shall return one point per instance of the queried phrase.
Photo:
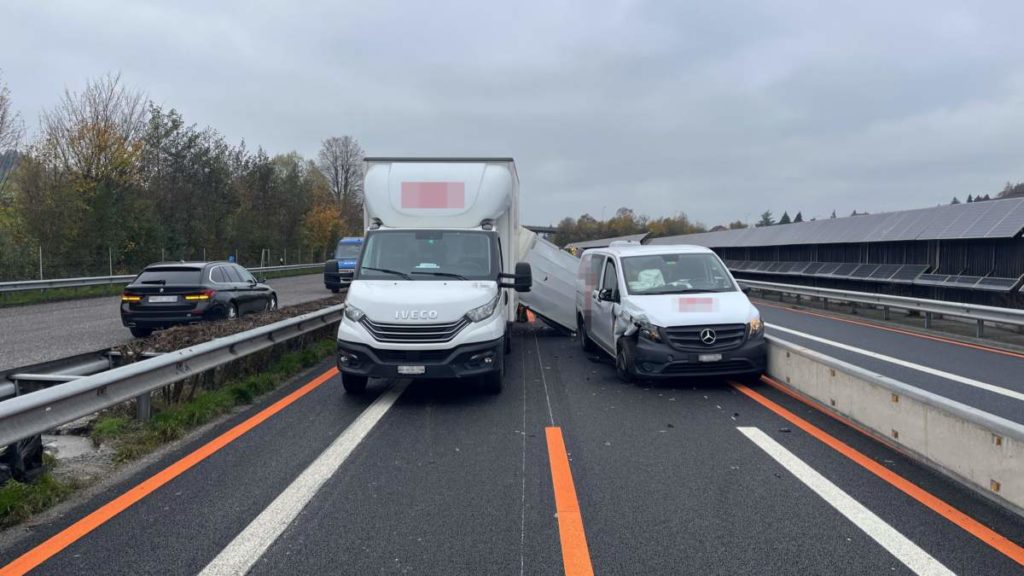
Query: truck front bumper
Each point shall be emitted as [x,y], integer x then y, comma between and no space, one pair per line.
[659,360]
[464,361]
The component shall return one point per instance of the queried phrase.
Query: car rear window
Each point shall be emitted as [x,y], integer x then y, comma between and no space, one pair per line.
[170,276]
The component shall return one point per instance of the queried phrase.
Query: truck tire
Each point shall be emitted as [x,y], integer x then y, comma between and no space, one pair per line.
[335,290]
[354,384]
[508,339]
[141,332]
[493,382]
[586,344]
[625,361]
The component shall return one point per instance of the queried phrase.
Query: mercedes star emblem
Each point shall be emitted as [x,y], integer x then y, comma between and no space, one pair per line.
[708,336]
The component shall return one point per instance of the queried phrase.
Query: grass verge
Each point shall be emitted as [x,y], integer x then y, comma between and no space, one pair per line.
[132,439]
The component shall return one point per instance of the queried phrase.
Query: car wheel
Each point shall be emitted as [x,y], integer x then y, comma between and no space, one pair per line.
[625,358]
[354,384]
[141,332]
[335,290]
[232,311]
[272,304]
[586,344]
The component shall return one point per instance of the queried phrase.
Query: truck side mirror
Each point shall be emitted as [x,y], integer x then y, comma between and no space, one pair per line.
[522,279]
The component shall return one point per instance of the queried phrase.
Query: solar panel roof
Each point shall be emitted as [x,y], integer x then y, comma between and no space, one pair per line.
[990,219]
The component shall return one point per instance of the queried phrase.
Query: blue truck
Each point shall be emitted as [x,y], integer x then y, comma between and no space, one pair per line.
[338,271]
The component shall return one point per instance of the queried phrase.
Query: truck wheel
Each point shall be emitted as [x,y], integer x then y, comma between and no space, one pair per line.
[141,332]
[625,361]
[586,344]
[493,382]
[354,384]
[335,290]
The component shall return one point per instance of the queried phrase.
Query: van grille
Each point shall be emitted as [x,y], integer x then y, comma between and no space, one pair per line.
[727,337]
[414,333]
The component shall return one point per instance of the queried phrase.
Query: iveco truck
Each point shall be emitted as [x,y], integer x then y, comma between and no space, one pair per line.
[435,290]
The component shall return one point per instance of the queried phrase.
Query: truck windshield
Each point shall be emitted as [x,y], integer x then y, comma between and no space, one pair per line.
[347,250]
[431,255]
[675,274]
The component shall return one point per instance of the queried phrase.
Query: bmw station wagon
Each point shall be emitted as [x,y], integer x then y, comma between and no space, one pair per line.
[168,294]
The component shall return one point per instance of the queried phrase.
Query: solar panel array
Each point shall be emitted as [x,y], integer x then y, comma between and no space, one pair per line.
[896,273]
[989,219]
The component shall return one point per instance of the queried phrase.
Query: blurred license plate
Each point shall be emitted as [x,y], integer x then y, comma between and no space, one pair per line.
[411,369]
[159,299]
[709,357]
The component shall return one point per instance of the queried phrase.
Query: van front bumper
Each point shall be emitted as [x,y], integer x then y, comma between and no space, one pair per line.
[465,361]
[659,360]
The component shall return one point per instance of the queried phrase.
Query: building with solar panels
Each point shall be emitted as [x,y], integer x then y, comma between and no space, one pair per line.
[963,252]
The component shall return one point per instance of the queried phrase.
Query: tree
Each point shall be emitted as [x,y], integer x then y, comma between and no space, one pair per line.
[955,201]
[737,225]
[833,215]
[785,218]
[341,161]
[11,130]
[970,199]
[766,219]
[799,217]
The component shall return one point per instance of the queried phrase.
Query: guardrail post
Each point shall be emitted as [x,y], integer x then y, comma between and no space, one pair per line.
[824,303]
[143,407]
[981,329]
[885,313]
[927,319]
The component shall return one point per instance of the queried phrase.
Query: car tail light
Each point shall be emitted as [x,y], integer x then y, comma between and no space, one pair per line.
[204,295]
[126,297]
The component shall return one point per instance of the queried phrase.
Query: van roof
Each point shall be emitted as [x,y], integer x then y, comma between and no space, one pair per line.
[648,250]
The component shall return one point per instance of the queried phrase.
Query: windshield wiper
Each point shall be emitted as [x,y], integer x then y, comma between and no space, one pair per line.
[690,291]
[386,271]
[445,274]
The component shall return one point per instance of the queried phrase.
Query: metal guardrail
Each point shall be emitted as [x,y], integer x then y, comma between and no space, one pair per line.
[34,413]
[123,279]
[930,308]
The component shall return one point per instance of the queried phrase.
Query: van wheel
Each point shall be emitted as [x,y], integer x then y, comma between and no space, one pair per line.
[232,311]
[625,358]
[354,384]
[508,339]
[493,382]
[586,344]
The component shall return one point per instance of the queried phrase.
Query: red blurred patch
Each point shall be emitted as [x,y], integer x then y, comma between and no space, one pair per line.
[433,195]
[698,304]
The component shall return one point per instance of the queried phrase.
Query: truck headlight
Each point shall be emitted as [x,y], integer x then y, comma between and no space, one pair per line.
[649,331]
[481,313]
[755,328]
[354,314]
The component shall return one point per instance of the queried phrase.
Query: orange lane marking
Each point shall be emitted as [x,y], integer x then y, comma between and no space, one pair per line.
[997,541]
[575,554]
[897,330]
[101,515]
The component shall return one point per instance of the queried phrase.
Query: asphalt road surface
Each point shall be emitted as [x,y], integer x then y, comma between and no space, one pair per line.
[568,471]
[42,332]
[987,378]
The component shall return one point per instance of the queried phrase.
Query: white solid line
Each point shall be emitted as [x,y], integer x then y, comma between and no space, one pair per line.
[934,372]
[247,548]
[543,378]
[892,540]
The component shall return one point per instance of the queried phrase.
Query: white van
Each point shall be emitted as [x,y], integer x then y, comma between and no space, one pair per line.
[667,311]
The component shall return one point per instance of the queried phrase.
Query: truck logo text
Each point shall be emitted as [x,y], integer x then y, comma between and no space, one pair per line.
[415,314]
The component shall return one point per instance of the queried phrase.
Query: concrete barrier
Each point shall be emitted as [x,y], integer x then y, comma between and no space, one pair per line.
[981,450]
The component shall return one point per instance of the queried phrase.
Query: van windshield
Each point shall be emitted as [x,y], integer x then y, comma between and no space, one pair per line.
[429,255]
[675,274]
[347,250]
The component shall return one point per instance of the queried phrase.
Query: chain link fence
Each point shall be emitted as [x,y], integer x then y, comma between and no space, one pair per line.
[27,262]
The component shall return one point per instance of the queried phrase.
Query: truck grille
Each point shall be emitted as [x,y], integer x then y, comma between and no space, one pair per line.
[414,333]
[727,337]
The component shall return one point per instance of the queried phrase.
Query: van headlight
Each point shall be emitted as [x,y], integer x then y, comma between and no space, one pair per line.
[648,331]
[755,328]
[481,313]
[354,314]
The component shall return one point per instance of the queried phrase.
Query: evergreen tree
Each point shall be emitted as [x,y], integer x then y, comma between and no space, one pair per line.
[833,215]
[955,201]
[799,217]
[785,219]
[766,219]
[970,199]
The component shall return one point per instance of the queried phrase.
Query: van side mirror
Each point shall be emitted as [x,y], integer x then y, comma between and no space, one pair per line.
[522,279]
[607,295]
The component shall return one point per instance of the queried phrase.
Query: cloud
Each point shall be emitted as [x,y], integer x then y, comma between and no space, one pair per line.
[719,109]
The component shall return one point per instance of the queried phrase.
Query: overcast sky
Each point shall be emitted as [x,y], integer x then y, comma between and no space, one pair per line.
[721,109]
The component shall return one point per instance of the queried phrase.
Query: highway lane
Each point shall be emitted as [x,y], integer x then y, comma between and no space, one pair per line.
[42,332]
[928,363]
[667,479]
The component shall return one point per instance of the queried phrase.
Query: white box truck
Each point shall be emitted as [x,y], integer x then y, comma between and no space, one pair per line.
[434,294]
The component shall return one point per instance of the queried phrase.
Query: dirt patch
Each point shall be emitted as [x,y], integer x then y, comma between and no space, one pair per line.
[179,337]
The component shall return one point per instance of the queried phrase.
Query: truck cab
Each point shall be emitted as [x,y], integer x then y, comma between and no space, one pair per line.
[338,271]
[434,292]
[667,311]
